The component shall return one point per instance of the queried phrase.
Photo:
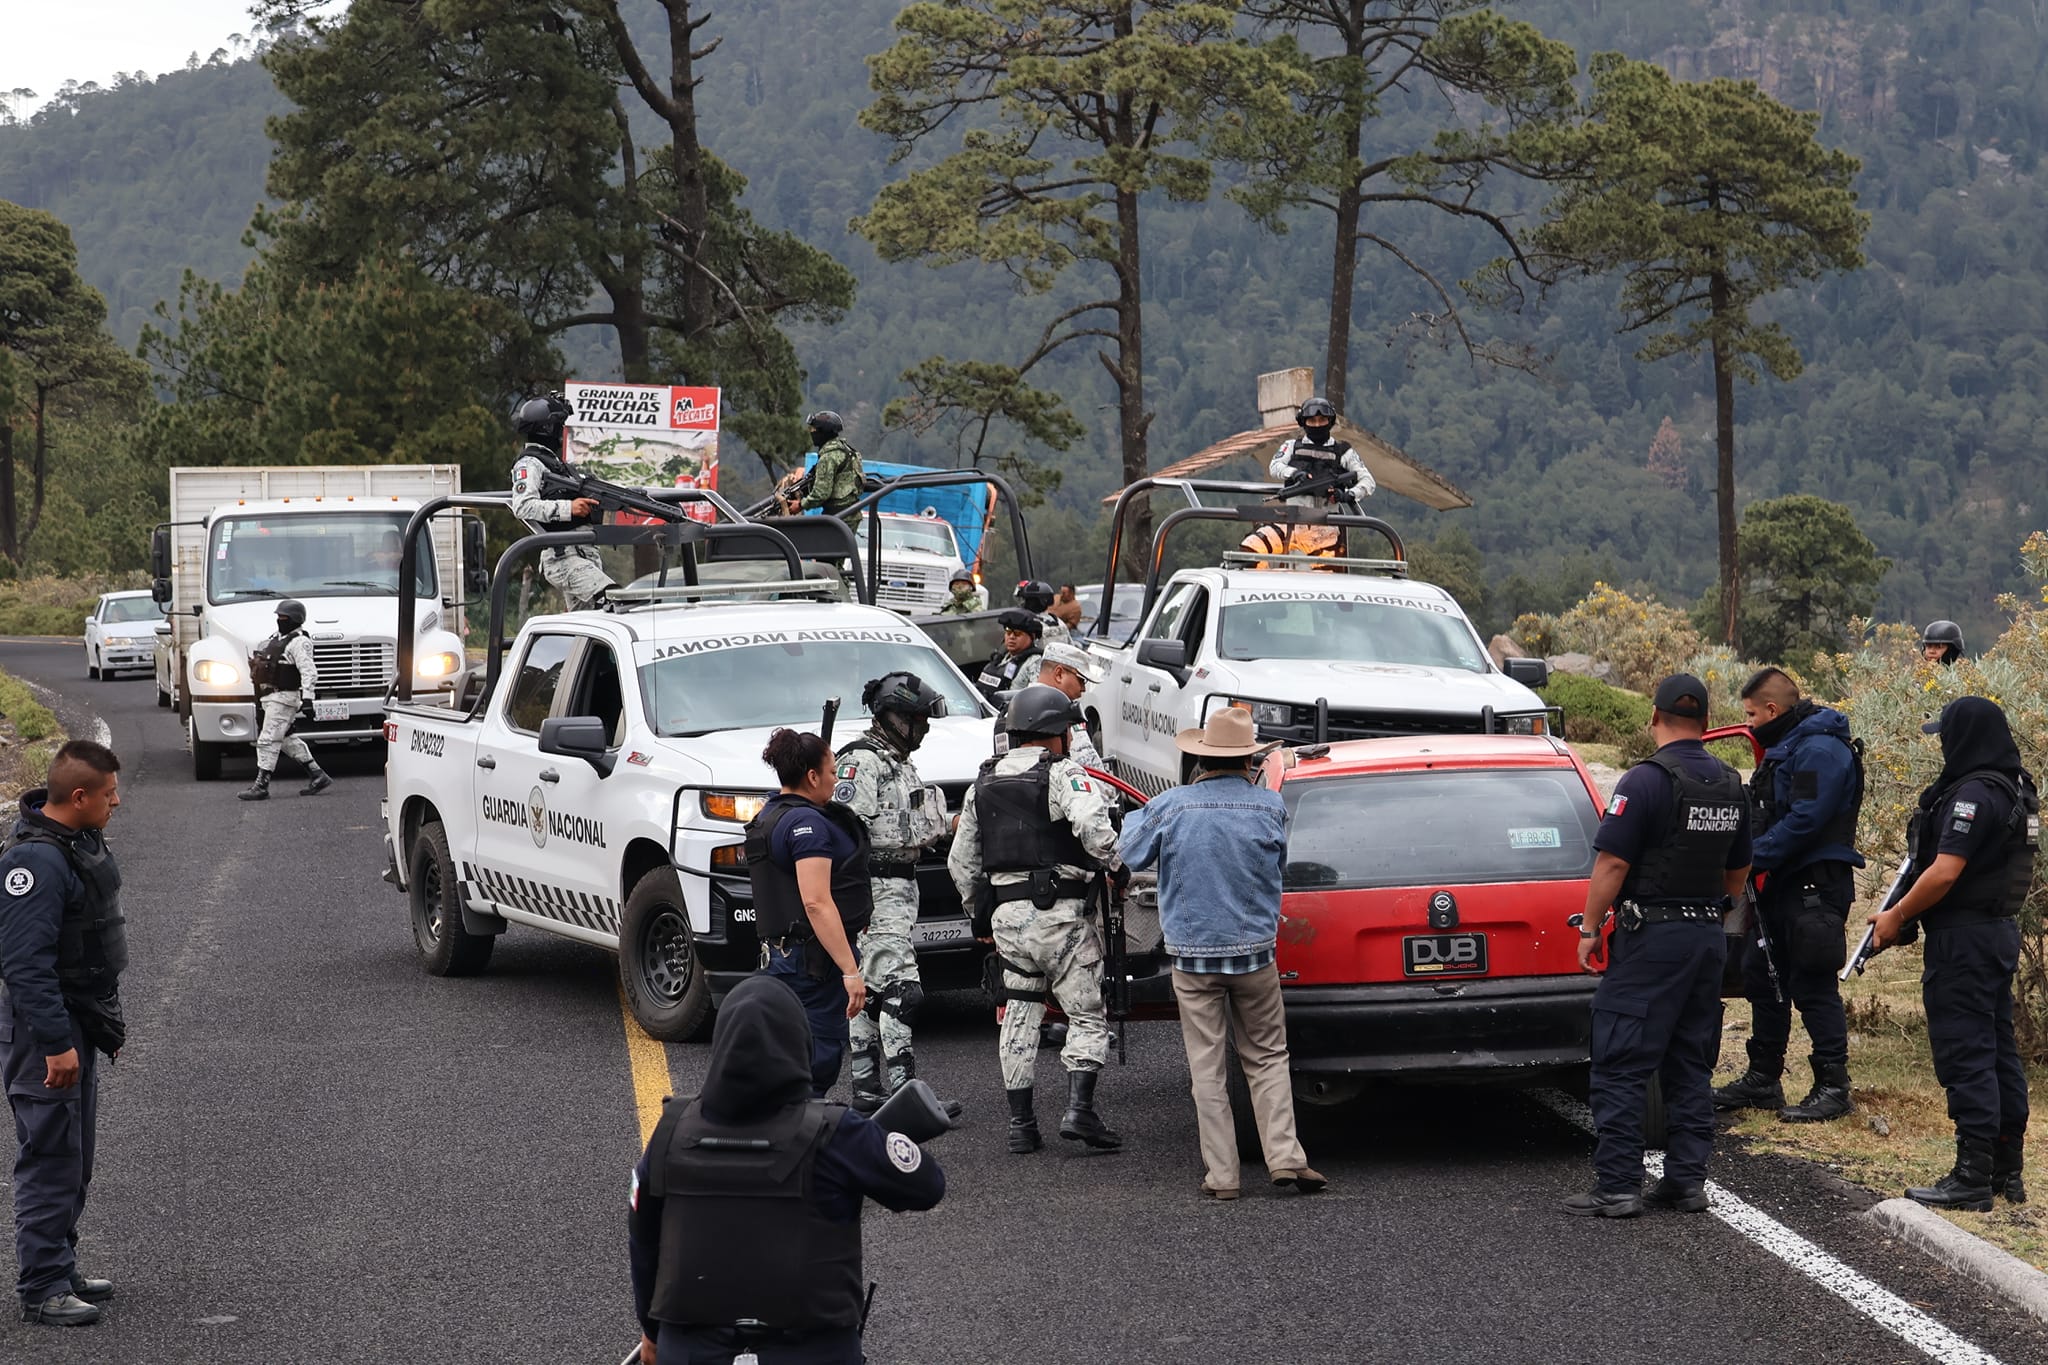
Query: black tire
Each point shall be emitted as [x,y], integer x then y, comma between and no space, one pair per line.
[205,757]
[92,670]
[659,970]
[434,896]
[163,698]
[1656,1123]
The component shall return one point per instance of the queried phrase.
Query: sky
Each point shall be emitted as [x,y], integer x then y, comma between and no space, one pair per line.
[44,43]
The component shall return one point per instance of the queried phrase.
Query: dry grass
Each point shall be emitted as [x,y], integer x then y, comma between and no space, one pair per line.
[1900,1134]
[29,737]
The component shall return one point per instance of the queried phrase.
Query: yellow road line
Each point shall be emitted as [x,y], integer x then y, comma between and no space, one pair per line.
[652,1082]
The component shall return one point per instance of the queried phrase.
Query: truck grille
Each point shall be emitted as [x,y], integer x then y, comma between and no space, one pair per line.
[363,669]
[906,591]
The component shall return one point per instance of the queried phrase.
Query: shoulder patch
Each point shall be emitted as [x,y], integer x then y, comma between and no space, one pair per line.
[20,881]
[1965,810]
[848,769]
[1617,805]
[1081,784]
[905,1155]
[842,791]
[801,829]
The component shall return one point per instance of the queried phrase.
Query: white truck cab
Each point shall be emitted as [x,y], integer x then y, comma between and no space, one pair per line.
[919,558]
[1318,649]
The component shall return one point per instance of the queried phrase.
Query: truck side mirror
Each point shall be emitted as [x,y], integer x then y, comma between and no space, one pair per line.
[1528,672]
[160,591]
[476,574]
[584,737]
[160,557]
[1167,654]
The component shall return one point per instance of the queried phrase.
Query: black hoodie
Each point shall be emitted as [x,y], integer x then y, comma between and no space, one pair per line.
[1970,816]
[1974,736]
[760,1053]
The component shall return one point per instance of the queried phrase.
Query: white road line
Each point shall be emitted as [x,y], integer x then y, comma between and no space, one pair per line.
[1861,1293]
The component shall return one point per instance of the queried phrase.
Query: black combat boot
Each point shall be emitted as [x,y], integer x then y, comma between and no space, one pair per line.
[259,790]
[90,1289]
[902,1070]
[1024,1137]
[317,780]
[870,1087]
[2008,1159]
[1081,1123]
[1829,1098]
[1968,1186]
[61,1309]
[1756,1088]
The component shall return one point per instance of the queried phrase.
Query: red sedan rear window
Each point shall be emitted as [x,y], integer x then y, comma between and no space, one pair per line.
[1458,826]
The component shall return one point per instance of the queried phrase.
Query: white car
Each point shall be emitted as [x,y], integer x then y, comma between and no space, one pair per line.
[120,635]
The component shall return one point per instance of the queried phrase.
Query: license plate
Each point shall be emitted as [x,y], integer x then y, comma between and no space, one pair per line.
[929,933]
[1444,955]
[330,710]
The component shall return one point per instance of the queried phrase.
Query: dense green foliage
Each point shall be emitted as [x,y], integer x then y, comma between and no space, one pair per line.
[1596,712]
[1923,391]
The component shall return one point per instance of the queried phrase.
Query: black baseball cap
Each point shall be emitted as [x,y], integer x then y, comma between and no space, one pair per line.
[1682,694]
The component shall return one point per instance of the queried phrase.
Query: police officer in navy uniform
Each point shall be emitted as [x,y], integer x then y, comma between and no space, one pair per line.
[62,949]
[1805,798]
[1973,842]
[1673,852]
[807,858]
[745,1220]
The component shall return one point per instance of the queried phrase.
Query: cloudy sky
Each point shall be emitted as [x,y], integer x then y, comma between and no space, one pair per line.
[48,42]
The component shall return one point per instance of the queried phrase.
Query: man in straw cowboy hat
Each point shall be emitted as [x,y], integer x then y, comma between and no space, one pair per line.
[1221,845]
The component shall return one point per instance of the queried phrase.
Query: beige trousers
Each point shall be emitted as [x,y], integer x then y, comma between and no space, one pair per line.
[1213,1008]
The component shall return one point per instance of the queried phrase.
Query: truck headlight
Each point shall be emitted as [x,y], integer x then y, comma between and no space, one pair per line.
[216,671]
[1524,725]
[1267,712]
[736,806]
[440,665]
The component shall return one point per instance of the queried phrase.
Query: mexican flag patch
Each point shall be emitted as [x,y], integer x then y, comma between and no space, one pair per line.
[847,770]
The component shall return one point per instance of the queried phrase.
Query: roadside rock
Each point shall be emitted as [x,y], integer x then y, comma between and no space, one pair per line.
[1583,665]
[1502,649]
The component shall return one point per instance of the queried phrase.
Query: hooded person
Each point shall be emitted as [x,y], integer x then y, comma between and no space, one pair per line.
[1972,841]
[746,1204]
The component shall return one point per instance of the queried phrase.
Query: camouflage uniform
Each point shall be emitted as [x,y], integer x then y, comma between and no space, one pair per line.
[904,816]
[1061,945]
[963,603]
[835,479]
[280,709]
[575,569]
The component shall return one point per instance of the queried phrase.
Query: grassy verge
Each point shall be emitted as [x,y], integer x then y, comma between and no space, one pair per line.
[1900,1134]
[46,605]
[31,736]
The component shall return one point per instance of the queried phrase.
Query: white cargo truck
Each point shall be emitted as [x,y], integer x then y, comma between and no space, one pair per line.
[239,540]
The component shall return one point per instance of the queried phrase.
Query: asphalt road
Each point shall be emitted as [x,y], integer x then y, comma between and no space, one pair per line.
[313,1152]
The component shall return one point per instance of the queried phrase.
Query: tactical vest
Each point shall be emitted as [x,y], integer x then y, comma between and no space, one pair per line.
[555,464]
[1331,453]
[778,904]
[741,1235]
[1018,833]
[270,670]
[92,945]
[1688,866]
[1994,884]
[1002,670]
[1763,800]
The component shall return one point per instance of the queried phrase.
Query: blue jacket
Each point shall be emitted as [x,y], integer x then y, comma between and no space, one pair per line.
[36,883]
[1814,782]
[1221,846]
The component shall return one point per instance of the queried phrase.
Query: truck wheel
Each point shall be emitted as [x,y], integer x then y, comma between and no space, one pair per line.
[658,966]
[435,895]
[92,670]
[205,757]
[163,698]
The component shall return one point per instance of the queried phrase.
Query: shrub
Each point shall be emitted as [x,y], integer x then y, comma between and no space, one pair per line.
[47,605]
[1643,639]
[1594,711]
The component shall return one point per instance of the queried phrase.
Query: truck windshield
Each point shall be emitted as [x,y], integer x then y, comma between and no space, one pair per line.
[119,609]
[317,554]
[1451,826]
[722,686]
[925,537]
[1350,630]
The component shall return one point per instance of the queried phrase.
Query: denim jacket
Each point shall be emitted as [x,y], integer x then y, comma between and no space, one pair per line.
[1221,847]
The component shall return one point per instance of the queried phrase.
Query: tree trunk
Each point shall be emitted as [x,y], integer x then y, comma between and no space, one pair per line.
[629,320]
[1129,373]
[1724,449]
[39,466]
[8,545]
[1343,279]
[693,201]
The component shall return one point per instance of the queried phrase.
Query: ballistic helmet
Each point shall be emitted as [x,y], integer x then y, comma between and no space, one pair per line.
[904,693]
[1942,633]
[291,614]
[824,425]
[1035,594]
[1316,408]
[1040,710]
[540,420]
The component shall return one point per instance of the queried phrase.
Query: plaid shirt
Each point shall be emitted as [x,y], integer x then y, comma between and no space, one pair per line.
[1238,964]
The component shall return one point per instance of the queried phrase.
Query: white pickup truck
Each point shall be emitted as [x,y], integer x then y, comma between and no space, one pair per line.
[1321,649]
[599,787]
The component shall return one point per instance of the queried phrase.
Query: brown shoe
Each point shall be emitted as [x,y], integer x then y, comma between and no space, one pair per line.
[1223,1196]
[1305,1180]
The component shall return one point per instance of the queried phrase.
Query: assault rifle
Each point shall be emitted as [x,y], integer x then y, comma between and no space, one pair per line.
[1116,993]
[611,497]
[1902,882]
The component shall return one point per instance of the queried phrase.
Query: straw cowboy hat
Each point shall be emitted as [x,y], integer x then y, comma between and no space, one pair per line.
[1229,734]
